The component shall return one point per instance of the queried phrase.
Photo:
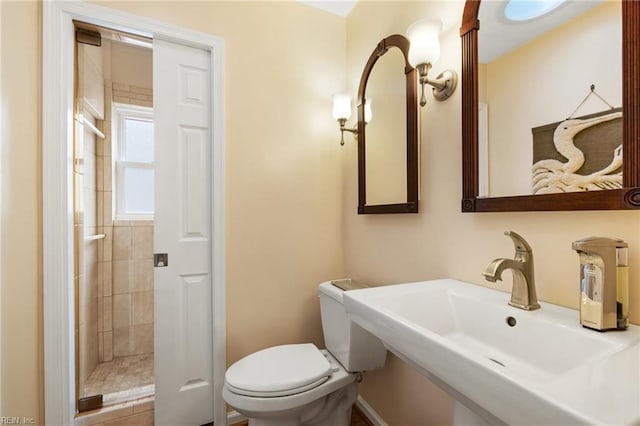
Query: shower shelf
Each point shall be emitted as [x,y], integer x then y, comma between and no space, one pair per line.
[80,119]
[94,237]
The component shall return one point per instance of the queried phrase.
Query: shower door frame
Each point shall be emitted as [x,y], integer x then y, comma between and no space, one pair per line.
[57,158]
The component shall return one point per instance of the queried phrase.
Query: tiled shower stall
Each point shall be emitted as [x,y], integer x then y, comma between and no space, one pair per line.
[114,266]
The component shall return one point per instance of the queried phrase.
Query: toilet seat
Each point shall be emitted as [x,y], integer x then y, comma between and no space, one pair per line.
[259,407]
[279,371]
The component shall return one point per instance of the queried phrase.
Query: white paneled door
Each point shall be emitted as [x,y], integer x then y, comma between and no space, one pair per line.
[182,230]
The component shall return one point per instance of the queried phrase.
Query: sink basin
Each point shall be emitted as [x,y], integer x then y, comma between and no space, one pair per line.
[517,366]
[477,321]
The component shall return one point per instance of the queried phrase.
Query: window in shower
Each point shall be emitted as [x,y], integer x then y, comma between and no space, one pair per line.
[133,131]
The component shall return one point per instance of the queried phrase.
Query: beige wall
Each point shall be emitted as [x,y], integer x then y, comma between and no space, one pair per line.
[2,138]
[283,61]
[21,345]
[130,65]
[440,241]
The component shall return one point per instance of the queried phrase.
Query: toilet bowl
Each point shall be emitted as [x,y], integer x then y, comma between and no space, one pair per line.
[317,398]
[299,384]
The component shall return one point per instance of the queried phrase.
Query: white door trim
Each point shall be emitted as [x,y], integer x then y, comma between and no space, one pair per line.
[57,155]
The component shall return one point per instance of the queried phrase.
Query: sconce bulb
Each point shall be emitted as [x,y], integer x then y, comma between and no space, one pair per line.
[341,106]
[424,47]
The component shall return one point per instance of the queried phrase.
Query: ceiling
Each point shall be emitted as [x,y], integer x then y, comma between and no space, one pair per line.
[340,8]
[498,35]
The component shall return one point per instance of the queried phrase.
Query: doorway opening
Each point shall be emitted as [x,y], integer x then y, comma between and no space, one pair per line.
[113,217]
[60,325]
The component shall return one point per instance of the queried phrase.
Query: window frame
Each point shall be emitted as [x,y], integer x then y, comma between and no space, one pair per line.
[120,113]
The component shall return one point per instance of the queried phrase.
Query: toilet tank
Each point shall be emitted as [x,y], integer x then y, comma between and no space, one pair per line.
[354,347]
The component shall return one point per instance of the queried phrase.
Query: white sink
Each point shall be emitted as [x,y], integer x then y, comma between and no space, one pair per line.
[534,367]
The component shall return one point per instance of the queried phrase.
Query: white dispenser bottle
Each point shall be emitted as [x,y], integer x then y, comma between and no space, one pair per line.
[604,291]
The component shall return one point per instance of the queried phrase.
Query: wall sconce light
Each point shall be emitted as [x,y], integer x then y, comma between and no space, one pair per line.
[342,112]
[424,51]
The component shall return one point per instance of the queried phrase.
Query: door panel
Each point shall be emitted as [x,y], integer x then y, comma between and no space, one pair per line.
[183,330]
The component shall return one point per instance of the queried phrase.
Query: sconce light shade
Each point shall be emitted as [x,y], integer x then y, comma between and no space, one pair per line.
[424,41]
[424,51]
[342,112]
[341,106]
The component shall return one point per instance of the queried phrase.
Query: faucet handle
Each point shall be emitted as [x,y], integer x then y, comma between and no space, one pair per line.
[520,244]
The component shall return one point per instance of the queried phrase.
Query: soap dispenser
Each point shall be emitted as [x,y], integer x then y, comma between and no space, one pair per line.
[604,288]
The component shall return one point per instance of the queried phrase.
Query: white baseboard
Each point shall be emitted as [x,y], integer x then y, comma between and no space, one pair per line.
[368,411]
[234,417]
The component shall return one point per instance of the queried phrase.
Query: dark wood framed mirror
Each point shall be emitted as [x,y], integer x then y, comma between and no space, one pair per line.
[388,145]
[628,197]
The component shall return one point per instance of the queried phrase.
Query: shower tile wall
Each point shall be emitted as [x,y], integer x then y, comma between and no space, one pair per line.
[125,265]
[86,273]
[104,217]
[132,288]
[134,95]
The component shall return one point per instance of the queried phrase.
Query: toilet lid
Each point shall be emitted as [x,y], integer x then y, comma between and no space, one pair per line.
[278,371]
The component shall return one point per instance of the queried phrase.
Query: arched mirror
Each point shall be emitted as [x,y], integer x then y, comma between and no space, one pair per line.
[551,107]
[388,131]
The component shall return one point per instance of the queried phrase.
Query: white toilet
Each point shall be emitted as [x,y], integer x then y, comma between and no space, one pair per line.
[293,385]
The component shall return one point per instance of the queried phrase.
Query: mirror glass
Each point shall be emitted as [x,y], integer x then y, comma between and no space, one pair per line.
[386,132]
[533,77]
[388,141]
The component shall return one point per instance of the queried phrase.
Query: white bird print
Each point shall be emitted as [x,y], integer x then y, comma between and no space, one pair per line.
[553,176]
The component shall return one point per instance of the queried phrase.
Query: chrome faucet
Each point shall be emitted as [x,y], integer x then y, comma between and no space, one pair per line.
[523,293]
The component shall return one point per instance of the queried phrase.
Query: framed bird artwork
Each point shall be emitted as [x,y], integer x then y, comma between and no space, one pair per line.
[578,154]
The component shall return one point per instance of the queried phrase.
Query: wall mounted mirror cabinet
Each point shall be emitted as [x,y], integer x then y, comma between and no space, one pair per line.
[388,131]
[551,106]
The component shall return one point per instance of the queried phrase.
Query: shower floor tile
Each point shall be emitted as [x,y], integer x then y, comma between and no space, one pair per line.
[122,379]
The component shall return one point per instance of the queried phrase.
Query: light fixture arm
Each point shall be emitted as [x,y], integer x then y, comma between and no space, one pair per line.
[342,122]
[443,86]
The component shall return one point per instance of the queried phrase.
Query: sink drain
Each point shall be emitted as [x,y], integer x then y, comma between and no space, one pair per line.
[511,321]
[497,362]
